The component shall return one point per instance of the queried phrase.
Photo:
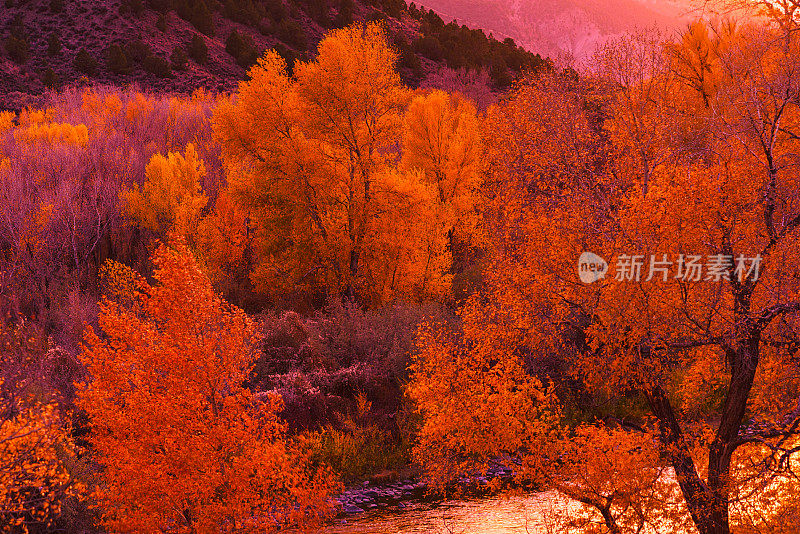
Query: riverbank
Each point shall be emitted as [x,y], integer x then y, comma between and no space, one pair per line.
[383,491]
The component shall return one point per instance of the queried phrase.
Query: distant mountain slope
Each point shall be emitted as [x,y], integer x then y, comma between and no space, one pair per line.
[180,45]
[556,27]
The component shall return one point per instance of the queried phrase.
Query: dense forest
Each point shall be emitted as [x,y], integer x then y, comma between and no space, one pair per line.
[220,309]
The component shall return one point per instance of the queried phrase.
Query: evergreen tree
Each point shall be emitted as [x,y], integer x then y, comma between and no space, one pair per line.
[85,63]
[116,60]
[198,49]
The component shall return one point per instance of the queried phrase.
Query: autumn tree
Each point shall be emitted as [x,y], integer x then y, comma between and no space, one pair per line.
[172,202]
[37,454]
[171,198]
[313,157]
[441,137]
[690,164]
[182,444]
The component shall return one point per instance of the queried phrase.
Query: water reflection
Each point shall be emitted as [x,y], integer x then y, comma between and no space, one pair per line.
[534,513]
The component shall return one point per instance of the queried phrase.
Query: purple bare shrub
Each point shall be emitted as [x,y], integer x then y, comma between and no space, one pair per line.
[60,212]
[321,364]
[474,85]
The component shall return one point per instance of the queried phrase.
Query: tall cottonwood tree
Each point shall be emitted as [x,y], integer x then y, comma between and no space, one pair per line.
[691,168]
[313,157]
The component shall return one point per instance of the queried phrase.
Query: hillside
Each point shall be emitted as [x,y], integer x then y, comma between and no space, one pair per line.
[181,45]
[563,27]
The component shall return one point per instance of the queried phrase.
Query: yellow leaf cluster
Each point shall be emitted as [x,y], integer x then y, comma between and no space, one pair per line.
[171,198]
[54,133]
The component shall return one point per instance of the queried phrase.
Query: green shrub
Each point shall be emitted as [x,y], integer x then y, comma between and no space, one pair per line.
[53,45]
[275,10]
[138,51]
[242,11]
[158,66]
[359,449]
[17,27]
[179,58]
[85,63]
[116,60]
[430,47]
[344,16]
[318,10]
[131,6]
[500,75]
[393,8]
[290,32]
[202,18]
[17,49]
[50,79]
[242,49]
[288,55]
[198,50]
[377,16]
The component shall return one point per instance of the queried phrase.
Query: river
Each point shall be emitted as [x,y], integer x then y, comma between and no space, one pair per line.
[534,513]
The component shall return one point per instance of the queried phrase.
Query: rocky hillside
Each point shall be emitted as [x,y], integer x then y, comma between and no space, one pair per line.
[564,27]
[181,45]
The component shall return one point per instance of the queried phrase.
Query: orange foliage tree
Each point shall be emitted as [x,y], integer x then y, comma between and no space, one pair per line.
[183,445]
[314,159]
[171,201]
[689,158]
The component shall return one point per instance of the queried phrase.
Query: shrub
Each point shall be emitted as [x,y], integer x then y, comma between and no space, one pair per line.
[138,51]
[344,17]
[265,27]
[202,19]
[116,60]
[290,32]
[430,47]
[179,58]
[320,365]
[50,79]
[359,449]
[242,49]
[500,75]
[158,66]
[17,27]
[288,55]
[53,44]
[242,11]
[275,10]
[162,6]
[131,6]
[17,49]
[377,16]
[85,63]
[198,49]
[318,10]
[393,8]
